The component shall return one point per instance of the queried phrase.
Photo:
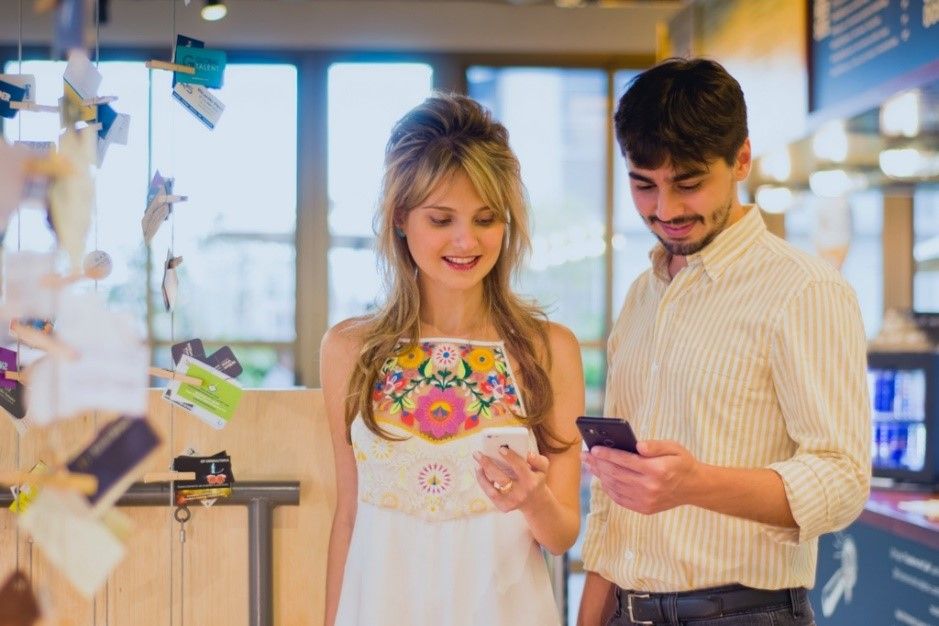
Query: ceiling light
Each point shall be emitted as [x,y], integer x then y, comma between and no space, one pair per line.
[777,165]
[831,142]
[899,116]
[773,199]
[908,163]
[835,183]
[214,10]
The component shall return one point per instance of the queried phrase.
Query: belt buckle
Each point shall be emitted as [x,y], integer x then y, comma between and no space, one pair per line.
[629,607]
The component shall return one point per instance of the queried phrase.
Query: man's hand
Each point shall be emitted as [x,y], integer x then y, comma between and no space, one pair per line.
[662,476]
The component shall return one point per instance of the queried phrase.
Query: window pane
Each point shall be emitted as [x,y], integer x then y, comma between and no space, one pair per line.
[235,288]
[594,379]
[236,231]
[557,126]
[354,284]
[364,101]
[631,237]
[926,249]
[863,265]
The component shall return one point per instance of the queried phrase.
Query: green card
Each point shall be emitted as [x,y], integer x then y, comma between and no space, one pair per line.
[214,401]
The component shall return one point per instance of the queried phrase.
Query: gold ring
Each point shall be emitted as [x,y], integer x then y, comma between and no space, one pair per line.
[503,489]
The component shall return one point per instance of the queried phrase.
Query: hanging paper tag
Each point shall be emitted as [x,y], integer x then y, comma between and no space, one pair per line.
[214,401]
[206,107]
[119,449]
[214,477]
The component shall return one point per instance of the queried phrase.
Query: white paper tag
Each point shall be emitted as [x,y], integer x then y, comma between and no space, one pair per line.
[81,75]
[80,546]
[200,102]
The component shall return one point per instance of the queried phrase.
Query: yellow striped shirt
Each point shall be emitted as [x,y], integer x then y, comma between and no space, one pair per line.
[753,356]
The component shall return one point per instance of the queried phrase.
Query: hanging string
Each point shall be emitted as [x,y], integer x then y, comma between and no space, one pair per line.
[97,65]
[107,582]
[172,134]
[19,245]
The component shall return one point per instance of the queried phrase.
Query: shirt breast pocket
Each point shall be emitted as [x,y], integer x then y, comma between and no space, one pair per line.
[719,377]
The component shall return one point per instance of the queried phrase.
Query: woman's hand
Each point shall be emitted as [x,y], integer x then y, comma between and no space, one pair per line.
[513,482]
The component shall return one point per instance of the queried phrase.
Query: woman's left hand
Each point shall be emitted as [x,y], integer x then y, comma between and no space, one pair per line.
[521,483]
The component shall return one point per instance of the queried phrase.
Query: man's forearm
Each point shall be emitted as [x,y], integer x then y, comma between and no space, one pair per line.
[757,494]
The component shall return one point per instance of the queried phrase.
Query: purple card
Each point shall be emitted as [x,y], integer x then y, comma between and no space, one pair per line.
[7,364]
[193,348]
[11,401]
[224,361]
[119,448]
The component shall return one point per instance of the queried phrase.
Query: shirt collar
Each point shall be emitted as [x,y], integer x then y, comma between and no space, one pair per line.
[718,255]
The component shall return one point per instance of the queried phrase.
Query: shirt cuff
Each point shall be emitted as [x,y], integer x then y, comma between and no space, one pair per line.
[807,502]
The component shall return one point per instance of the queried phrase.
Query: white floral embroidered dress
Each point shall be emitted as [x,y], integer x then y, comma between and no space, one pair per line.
[428,547]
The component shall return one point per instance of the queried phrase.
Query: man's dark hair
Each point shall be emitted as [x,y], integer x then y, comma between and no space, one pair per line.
[683,111]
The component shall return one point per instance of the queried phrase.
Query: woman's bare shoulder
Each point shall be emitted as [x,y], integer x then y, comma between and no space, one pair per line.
[343,342]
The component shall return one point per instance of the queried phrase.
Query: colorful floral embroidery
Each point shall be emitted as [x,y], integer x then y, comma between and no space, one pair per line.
[434,396]
[440,412]
[435,478]
[411,357]
[481,359]
[445,356]
[443,388]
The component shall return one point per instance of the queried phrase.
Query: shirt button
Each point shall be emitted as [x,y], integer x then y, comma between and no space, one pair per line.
[630,555]
[655,367]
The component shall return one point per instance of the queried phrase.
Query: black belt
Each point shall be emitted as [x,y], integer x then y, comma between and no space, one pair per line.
[652,608]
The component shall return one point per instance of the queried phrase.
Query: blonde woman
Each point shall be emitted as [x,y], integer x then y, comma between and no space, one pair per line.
[428,531]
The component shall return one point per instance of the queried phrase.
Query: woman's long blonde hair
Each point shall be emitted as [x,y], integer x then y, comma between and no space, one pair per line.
[450,133]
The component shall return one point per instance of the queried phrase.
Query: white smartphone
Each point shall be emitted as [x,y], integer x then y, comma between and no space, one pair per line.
[515,438]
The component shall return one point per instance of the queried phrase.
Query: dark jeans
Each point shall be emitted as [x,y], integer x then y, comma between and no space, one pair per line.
[796,612]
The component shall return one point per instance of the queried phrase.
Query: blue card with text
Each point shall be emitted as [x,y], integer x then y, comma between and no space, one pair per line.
[14,94]
[208,62]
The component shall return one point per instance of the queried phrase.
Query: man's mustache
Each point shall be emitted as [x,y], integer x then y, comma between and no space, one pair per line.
[678,221]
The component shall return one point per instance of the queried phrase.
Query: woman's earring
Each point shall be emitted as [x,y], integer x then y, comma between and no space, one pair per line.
[399,232]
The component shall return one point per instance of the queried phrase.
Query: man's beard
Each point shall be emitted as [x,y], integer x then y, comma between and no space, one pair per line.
[718,220]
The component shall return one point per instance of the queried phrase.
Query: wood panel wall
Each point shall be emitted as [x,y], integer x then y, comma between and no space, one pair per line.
[275,435]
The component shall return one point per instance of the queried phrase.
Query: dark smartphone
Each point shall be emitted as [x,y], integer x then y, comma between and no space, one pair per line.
[608,432]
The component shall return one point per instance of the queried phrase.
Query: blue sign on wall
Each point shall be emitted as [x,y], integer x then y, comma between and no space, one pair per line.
[859,46]
[869,577]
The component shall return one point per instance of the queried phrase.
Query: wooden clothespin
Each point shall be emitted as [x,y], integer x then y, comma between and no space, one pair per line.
[159,372]
[98,101]
[38,339]
[32,106]
[170,67]
[162,198]
[167,477]
[19,377]
[49,165]
[82,483]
